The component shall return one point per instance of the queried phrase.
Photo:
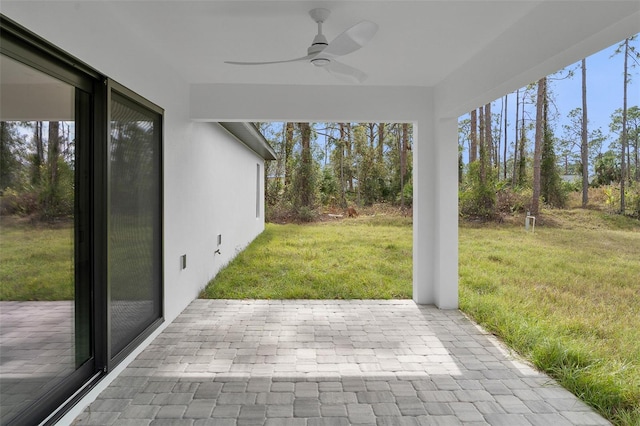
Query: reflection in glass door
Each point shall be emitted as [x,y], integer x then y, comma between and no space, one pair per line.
[45,331]
[134,221]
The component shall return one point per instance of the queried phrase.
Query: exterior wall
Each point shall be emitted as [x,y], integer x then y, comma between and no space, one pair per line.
[209,176]
[213,191]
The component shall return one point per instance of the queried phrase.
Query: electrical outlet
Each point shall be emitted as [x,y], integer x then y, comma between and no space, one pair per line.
[219,239]
[183,261]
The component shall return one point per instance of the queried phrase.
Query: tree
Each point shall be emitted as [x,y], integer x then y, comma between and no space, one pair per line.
[522,146]
[488,138]
[473,137]
[633,137]
[274,170]
[10,145]
[584,147]
[305,184]
[482,147]
[288,151]
[623,138]
[550,185]
[539,139]
[514,178]
[504,155]
[53,155]
[405,147]
[478,195]
[37,159]
[629,52]
[607,168]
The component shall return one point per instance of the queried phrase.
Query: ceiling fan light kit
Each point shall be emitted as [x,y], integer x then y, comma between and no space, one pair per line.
[322,54]
[320,62]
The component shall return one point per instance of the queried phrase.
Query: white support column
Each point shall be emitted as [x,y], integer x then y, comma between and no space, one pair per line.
[446,215]
[424,213]
[435,213]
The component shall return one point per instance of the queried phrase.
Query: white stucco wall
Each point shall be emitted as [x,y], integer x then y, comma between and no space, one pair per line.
[210,190]
[209,176]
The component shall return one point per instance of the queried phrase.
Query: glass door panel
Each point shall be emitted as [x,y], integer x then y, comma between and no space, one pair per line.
[45,333]
[135,205]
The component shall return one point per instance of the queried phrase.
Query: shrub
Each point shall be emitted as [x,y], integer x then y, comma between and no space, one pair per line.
[19,203]
[407,193]
[306,214]
[478,199]
[512,201]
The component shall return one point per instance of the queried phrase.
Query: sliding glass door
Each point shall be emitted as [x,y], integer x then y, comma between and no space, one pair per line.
[80,226]
[135,224]
[46,333]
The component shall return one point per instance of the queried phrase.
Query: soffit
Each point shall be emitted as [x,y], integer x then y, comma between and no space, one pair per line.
[420,43]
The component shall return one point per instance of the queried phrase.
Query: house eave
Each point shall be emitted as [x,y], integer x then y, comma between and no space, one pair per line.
[249,135]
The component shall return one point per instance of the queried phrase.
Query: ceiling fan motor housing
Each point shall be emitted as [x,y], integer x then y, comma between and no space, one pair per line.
[319,14]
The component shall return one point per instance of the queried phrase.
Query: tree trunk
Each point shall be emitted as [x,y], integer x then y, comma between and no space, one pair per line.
[305,170]
[343,142]
[349,143]
[584,151]
[403,160]
[504,154]
[38,158]
[473,136]
[522,160]
[372,135]
[540,125]
[637,157]
[52,157]
[623,138]
[482,147]
[488,138]
[288,150]
[381,142]
[514,177]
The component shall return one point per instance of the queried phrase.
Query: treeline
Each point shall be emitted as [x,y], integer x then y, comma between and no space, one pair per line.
[37,169]
[517,166]
[336,165]
[38,161]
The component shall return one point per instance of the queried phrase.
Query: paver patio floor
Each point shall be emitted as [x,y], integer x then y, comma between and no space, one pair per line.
[312,363]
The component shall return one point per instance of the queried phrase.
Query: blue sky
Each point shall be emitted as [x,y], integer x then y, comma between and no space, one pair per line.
[604,92]
[604,88]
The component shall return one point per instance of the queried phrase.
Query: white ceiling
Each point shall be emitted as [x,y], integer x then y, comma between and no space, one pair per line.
[418,43]
[448,45]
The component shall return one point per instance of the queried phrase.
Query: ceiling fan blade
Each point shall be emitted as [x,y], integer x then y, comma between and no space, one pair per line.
[304,58]
[352,39]
[345,72]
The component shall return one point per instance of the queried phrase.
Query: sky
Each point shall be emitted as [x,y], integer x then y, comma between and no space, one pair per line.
[604,87]
[604,92]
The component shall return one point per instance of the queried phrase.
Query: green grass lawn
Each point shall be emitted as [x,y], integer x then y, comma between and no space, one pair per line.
[369,258]
[566,297]
[36,262]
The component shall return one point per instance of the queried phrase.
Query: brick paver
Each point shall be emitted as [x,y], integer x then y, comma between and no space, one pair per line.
[306,363]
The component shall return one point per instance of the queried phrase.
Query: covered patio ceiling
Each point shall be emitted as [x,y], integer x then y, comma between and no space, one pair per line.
[469,52]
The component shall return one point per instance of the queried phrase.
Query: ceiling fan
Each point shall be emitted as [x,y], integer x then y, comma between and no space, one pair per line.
[323,54]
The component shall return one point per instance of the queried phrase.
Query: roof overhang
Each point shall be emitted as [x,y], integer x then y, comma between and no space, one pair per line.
[249,135]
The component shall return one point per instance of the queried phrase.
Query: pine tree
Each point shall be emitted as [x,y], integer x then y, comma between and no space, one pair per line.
[539,140]
[584,146]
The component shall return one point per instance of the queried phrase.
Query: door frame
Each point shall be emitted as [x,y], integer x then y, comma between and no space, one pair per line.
[91,255]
